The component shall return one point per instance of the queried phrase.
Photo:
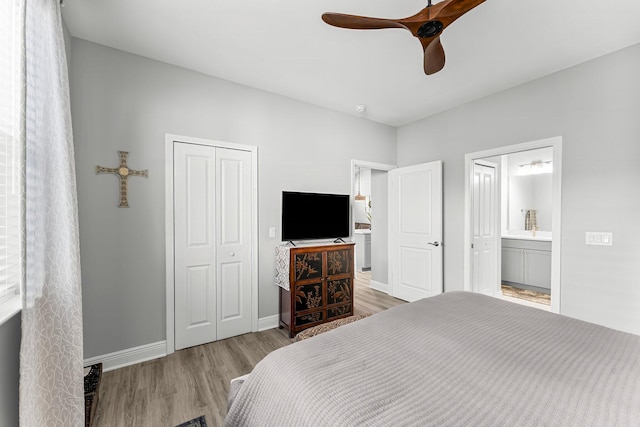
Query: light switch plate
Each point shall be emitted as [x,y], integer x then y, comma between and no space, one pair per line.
[598,238]
[272,232]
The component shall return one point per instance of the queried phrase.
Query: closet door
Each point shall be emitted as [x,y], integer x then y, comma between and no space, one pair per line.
[195,244]
[485,223]
[212,235]
[233,205]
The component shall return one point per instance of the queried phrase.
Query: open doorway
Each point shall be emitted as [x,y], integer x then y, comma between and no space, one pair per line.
[369,221]
[362,218]
[513,223]
[526,229]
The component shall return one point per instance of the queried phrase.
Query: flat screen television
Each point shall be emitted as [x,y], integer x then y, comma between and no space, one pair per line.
[309,216]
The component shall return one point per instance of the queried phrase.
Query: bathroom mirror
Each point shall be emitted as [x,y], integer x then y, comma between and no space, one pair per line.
[529,193]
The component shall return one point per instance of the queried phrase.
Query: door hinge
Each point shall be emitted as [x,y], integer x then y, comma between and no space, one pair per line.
[472,246]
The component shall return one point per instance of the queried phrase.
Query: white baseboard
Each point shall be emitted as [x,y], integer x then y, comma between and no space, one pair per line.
[379,286]
[129,356]
[268,322]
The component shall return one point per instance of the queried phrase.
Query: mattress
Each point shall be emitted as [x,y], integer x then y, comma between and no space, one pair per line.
[457,359]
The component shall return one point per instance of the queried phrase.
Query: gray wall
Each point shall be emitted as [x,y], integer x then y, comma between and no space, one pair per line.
[9,371]
[379,230]
[595,107]
[126,102]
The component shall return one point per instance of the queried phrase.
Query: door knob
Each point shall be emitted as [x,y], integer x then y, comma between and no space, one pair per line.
[232,254]
[434,243]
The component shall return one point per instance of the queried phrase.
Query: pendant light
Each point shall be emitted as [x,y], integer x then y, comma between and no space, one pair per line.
[359,196]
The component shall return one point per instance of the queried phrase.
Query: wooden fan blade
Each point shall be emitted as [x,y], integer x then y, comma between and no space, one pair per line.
[433,56]
[426,25]
[454,9]
[359,22]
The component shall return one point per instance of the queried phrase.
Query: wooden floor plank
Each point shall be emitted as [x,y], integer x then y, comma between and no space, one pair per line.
[195,381]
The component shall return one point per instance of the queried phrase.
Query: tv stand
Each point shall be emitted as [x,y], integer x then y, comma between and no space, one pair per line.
[321,286]
[339,240]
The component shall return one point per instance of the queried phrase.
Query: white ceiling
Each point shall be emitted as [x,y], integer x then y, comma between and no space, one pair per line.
[283,46]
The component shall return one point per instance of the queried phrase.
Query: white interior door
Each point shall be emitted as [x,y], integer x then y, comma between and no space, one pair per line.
[415,231]
[212,243]
[484,277]
[233,201]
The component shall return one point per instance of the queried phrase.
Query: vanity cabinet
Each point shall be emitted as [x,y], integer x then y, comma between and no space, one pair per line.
[363,251]
[321,286]
[527,264]
[512,265]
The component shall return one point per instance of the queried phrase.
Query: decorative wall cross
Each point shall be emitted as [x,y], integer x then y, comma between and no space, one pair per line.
[123,173]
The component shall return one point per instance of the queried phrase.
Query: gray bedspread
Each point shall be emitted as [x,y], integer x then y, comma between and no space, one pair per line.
[458,359]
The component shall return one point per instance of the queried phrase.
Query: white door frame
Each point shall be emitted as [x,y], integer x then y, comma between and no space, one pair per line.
[170,139]
[556,217]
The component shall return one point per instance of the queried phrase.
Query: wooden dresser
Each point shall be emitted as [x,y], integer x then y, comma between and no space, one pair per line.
[321,286]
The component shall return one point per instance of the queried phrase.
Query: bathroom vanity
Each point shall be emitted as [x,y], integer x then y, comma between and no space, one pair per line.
[362,239]
[526,262]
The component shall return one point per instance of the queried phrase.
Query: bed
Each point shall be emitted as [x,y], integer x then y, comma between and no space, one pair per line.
[457,359]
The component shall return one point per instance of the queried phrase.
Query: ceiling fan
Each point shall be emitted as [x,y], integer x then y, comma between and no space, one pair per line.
[426,25]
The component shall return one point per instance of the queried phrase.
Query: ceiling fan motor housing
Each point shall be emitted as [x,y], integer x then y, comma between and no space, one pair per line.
[430,29]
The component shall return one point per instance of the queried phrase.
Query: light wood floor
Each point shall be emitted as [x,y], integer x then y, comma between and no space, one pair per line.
[526,297]
[194,382]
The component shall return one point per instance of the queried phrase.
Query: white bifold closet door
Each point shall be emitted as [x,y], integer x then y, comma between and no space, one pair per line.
[212,235]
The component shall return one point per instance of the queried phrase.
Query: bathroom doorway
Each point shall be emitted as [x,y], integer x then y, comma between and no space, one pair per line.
[362,218]
[513,214]
[369,219]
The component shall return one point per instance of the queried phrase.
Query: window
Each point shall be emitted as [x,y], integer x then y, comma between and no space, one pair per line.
[11,133]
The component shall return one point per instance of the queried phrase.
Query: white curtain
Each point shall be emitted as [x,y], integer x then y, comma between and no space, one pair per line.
[51,358]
